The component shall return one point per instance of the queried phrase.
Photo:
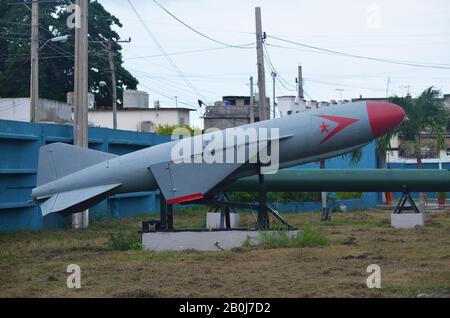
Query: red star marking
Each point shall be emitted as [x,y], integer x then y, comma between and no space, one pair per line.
[324,128]
[342,124]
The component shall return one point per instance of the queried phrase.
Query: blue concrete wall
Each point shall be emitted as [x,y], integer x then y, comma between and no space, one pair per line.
[435,166]
[19,149]
[367,201]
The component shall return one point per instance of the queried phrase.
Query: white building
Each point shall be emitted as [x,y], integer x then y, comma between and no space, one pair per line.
[137,116]
[288,105]
[50,111]
[140,119]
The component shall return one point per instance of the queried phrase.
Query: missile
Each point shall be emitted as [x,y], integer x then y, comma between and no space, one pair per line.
[72,179]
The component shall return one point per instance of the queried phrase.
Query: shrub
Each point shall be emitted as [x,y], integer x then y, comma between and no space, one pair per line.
[348,195]
[252,197]
[121,241]
[308,237]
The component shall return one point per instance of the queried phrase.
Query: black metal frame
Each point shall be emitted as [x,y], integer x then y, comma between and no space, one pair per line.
[406,198]
[220,202]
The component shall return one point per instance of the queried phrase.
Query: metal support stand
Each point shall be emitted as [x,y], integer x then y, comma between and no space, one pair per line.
[406,198]
[225,221]
[166,212]
[263,211]
[326,214]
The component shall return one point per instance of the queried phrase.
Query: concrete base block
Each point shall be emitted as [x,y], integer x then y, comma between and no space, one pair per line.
[213,221]
[200,241]
[407,220]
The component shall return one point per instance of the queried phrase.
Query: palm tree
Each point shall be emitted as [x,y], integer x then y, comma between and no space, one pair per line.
[426,114]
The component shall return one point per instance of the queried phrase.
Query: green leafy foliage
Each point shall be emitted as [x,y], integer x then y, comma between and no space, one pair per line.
[348,195]
[442,195]
[251,197]
[169,129]
[124,241]
[426,114]
[307,237]
[56,65]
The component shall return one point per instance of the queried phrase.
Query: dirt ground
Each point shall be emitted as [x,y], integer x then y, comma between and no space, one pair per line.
[414,263]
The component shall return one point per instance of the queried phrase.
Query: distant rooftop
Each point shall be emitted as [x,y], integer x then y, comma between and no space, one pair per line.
[131,109]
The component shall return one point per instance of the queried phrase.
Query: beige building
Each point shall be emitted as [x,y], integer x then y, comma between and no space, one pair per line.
[233,111]
[140,119]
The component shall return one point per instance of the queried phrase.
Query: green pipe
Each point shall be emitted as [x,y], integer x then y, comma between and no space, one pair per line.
[372,180]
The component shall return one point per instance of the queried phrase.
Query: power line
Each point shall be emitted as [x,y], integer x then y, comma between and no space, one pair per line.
[178,53]
[171,62]
[360,56]
[279,78]
[241,46]
[343,85]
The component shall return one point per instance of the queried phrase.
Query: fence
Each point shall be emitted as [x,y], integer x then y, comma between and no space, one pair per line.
[19,149]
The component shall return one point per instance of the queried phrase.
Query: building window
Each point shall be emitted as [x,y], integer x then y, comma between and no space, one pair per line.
[182,121]
[289,112]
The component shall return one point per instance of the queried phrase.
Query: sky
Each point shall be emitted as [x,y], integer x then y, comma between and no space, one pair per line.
[405,31]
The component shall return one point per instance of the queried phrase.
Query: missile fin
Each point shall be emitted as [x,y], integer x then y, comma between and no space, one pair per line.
[58,160]
[77,200]
[186,182]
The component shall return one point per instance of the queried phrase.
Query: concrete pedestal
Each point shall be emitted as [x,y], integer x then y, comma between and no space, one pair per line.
[200,241]
[407,220]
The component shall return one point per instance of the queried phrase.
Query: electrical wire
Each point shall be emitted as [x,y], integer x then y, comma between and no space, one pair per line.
[178,53]
[360,56]
[240,46]
[169,60]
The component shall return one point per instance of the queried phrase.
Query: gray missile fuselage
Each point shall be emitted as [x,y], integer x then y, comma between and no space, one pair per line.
[304,137]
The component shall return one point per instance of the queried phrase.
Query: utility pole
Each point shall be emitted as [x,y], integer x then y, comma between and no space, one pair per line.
[340,90]
[261,70]
[81,220]
[112,67]
[326,212]
[387,88]
[252,102]
[113,82]
[407,87]
[274,77]
[300,82]
[34,81]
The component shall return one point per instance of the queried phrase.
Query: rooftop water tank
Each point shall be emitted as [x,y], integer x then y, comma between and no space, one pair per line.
[135,99]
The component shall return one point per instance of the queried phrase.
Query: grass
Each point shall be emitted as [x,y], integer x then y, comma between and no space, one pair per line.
[327,260]
[307,237]
[121,241]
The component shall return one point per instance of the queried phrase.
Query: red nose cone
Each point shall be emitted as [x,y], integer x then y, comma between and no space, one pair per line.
[384,117]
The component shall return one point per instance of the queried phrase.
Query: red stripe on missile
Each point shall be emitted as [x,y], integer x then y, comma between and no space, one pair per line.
[342,124]
[187,198]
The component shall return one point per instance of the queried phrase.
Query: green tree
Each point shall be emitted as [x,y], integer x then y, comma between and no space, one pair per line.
[57,59]
[426,114]
[168,129]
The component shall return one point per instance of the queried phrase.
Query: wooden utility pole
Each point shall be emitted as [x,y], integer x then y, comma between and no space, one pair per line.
[34,81]
[252,102]
[81,220]
[113,82]
[261,70]
[387,87]
[300,82]
[274,78]
[326,211]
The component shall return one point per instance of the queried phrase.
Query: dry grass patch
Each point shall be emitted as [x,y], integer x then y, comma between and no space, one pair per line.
[414,262]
